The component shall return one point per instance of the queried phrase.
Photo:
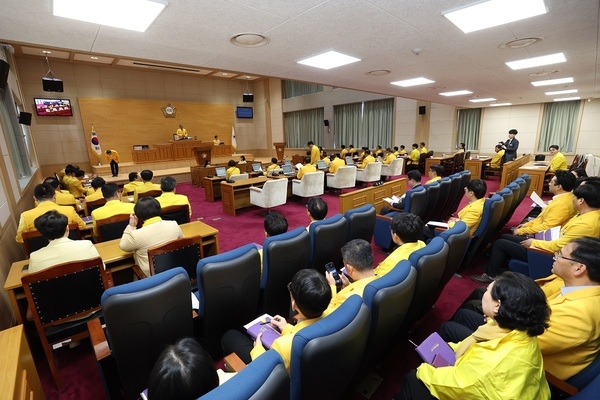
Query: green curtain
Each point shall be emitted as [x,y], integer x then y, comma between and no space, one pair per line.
[295,89]
[14,136]
[469,123]
[559,125]
[303,126]
[368,123]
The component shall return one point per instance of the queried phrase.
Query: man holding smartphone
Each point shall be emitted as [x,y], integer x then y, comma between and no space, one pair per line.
[358,268]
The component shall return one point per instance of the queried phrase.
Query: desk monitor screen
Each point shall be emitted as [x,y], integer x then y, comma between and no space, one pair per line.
[321,165]
[220,172]
[349,160]
[257,167]
[287,169]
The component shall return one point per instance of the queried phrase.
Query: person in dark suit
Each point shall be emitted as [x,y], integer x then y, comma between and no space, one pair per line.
[511,146]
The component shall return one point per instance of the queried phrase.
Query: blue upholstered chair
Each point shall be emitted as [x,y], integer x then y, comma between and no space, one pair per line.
[487,230]
[283,256]
[389,299]
[429,262]
[432,191]
[458,240]
[143,317]
[465,178]
[326,355]
[456,192]
[507,195]
[265,378]
[527,179]
[228,292]
[538,265]
[440,213]
[326,240]
[361,222]
[585,385]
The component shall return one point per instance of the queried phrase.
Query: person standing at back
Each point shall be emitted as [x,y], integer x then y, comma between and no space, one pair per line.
[511,146]
[112,156]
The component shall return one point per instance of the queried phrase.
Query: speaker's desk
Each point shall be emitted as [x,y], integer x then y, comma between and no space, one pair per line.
[113,258]
[237,195]
[475,165]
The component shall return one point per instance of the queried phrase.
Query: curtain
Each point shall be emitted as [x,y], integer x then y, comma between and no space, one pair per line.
[369,123]
[469,122]
[295,89]
[559,125]
[303,126]
[14,135]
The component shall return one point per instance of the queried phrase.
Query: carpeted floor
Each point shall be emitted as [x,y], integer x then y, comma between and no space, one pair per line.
[78,369]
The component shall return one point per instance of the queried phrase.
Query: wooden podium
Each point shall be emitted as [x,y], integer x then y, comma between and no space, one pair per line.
[202,154]
[280,149]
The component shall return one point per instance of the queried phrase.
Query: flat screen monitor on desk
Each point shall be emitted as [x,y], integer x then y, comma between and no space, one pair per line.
[349,160]
[321,165]
[288,162]
[257,167]
[287,169]
[220,172]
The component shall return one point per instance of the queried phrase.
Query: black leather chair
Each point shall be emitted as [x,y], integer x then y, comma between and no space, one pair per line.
[326,355]
[228,291]
[180,213]
[454,165]
[389,299]
[33,240]
[361,223]
[142,318]
[92,205]
[184,252]
[111,228]
[326,240]
[62,299]
[429,262]
[283,256]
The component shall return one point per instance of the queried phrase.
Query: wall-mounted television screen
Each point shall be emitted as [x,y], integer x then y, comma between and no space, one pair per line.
[53,107]
[244,112]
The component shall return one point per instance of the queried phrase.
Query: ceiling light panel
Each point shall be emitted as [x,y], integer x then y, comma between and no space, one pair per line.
[550,82]
[329,60]
[500,104]
[482,100]
[135,15]
[493,13]
[456,93]
[537,61]
[557,92]
[568,98]
[413,82]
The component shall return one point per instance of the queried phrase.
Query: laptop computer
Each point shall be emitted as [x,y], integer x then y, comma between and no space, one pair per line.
[287,169]
[257,167]
[288,162]
[321,165]
[349,160]
[220,172]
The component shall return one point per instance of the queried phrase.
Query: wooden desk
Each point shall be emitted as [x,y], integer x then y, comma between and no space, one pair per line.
[436,160]
[475,165]
[112,255]
[537,174]
[212,188]
[372,195]
[237,195]
[20,379]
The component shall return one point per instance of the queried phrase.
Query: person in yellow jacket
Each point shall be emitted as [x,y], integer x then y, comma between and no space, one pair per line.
[112,156]
[585,223]
[97,184]
[415,155]
[315,154]
[113,206]
[406,231]
[310,295]
[336,163]
[232,169]
[181,132]
[435,173]
[389,156]
[559,210]
[471,213]
[422,148]
[44,194]
[496,161]
[306,168]
[367,159]
[274,166]
[559,161]
[502,358]
[63,197]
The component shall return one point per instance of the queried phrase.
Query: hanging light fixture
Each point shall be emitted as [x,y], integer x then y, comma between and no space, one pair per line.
[248,97]
[51,82]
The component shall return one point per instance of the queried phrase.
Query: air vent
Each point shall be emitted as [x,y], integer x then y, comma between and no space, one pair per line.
[141,64]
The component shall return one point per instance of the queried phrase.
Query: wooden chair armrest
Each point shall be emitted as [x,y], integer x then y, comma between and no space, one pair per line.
[109,278]
[541,251]
[384,217]
[138,271]
[232,363]
[560,384]
[98,339]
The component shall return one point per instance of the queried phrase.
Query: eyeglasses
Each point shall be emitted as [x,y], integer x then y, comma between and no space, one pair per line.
[558,254]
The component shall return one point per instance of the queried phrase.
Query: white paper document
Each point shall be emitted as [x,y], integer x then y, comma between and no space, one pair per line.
[195,302]
[438,224]
[538,200]
[298,166]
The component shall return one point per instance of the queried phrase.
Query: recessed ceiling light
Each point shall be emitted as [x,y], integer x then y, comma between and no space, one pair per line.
[500,104]
[134,15]
[331,59]
[520,43]
[46,52]
[249,40]
[550,82]
[93,57]
[493,13]
[456,93]
[568,98]
[379,72]
[482,100]
[537,61]
[560,92]
[413,82]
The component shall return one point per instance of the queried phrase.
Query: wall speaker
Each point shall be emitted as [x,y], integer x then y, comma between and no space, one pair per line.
[422,110]
[25,118]
[4,68]
[248,98]
[52,85]
[326,122]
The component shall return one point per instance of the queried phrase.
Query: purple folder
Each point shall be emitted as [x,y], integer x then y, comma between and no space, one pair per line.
[269,332]
[435,351]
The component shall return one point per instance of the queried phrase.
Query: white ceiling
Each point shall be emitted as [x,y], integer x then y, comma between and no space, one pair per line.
[383,33]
